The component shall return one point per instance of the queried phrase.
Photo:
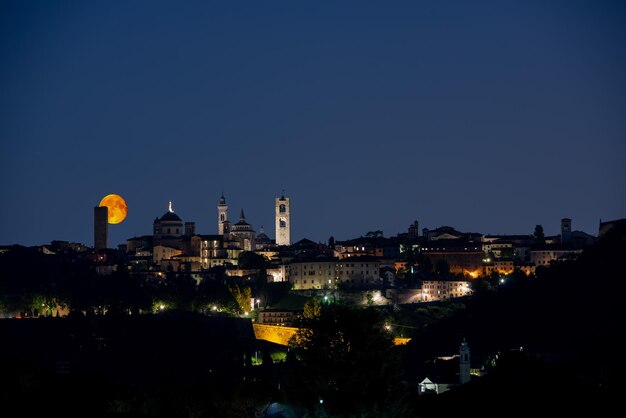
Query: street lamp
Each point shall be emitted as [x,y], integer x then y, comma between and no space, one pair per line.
[258,303]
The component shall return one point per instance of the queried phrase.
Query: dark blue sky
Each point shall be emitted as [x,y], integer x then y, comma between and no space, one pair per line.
[485,116]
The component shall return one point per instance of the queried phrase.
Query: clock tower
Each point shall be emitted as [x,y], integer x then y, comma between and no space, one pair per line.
[283,226]
[222,214]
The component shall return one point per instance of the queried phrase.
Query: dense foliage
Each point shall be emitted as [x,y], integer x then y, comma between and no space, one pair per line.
[343,362]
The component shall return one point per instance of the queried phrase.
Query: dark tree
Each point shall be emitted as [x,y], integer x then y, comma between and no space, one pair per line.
[180,291]
[425,266]
[344,360]
[539,236]
[251,260]
[442,268]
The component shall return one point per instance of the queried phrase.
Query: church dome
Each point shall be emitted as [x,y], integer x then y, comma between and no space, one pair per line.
[262,238]
[171,217]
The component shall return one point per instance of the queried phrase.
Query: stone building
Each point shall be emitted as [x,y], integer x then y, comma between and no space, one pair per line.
[283,221]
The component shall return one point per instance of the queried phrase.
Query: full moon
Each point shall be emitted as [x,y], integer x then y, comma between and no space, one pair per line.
[117,208]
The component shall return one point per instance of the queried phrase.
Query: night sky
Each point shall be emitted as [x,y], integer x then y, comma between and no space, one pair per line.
[484,116]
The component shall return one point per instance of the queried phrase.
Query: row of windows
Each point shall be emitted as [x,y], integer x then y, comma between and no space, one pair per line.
[352,265]
[275,320]
[169,231]
[271,314]
[320,266]
[312,281]
[444,249]
[328,273]
[345,272]
[440,286]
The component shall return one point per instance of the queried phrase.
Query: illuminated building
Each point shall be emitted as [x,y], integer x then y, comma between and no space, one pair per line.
[318,273]
[262,241]
[222,216]
[444,289]
[168,225]
[546,256]
[327,272]
[502,266]
[359,272]
[276,317]
[242,234]
[162,254]
[283,221]
[461,256]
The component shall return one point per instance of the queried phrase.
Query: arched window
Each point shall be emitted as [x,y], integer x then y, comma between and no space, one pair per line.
[282,209]
[283,224]
[222,217]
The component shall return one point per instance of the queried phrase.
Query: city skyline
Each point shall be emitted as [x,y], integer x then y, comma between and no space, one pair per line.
[486,117]
[269,227]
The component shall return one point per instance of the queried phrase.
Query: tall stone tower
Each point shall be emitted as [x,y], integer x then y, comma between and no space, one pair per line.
[464,363]
[100,228]
[283,228]
[414,230]
[566,230]
[222,214]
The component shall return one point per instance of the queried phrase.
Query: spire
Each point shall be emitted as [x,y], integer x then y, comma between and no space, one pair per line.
[242,216]
[261,231]
[282,196]
[222,199]
[170,207]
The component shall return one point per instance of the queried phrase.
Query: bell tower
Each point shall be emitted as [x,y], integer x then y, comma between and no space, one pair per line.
[283,227]
[464,363]
[222,214]
[566,230]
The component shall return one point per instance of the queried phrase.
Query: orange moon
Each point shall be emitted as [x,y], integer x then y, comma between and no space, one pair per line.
[117,208]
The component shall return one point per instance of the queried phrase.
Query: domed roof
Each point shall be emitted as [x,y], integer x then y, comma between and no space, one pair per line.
[171,216]
[262,238]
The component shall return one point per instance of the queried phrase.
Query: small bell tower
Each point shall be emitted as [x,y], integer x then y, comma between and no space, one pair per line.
[464,363]
[283,215]
[222,215]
